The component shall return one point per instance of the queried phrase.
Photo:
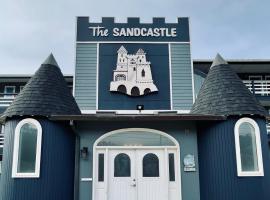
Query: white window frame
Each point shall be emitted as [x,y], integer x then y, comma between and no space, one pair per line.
[6,95]
[260,171]
[15,173]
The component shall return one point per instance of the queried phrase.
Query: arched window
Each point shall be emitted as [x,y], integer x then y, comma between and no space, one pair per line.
[122,89]
[140,137]
[248,148]
[143,73]
[150,165]
[122,165]
[135,91]
[146,91]
[27,149]
[120,77]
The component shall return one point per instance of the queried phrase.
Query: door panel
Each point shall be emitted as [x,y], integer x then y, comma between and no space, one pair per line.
[142,174]
[121,174]
[151,176]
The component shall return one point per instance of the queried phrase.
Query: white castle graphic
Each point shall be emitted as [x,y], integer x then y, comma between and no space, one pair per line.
[133,74]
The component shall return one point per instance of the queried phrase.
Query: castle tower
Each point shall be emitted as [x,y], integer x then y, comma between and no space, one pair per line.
[144,73]
[39,154]
[122,59]
[133,74]
[236,148]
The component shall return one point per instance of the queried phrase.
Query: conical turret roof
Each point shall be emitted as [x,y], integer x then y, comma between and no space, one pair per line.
[45,94]
[122,49]
[224,93]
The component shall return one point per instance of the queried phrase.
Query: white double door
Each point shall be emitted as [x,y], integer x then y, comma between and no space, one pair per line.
[137,174]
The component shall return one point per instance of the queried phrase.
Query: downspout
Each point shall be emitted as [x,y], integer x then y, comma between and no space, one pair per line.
[77,160]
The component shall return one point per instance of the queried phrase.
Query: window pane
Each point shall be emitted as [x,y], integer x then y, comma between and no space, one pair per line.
[136,138]
[150,165]
[101,167]
[171,167]
[248,148]
[122,165]
[10,90]
[27,149]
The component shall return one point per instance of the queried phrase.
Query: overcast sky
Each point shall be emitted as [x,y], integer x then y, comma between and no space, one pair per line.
[31,29]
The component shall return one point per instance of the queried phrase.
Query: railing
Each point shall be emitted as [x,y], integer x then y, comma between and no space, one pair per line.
[7,98]
[268,127]
[1,140]
[258,87]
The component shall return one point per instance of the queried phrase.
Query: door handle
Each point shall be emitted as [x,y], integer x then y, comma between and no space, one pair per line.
[133,185]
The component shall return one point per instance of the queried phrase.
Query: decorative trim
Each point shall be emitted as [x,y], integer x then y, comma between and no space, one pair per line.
[35,174]
[260,172]
[170,72]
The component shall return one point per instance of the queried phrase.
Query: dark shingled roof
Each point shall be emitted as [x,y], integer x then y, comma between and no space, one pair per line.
[224,93]
[45,94]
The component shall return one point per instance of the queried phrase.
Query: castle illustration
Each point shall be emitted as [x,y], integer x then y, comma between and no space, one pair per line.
[133,75]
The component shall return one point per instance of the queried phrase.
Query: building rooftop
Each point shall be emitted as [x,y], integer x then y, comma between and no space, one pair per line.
[46,93]
[223,93]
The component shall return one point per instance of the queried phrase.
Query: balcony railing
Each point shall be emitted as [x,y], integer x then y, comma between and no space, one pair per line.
[1,140]
[268,127]
[7,98]
[258,87]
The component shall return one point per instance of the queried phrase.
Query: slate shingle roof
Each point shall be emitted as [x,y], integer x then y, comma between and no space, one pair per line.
[224,93]
[45,94]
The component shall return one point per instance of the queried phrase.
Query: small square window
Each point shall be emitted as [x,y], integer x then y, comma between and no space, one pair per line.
[9,92]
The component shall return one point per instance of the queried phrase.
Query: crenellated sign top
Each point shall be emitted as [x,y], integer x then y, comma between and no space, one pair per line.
[133,30]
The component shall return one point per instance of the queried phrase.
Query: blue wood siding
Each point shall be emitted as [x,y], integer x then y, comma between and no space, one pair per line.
[217,160]
[184,133]
[181,75]
[57,166]
[86,76]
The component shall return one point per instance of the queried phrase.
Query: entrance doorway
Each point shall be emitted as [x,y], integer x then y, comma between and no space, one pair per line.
[136,164]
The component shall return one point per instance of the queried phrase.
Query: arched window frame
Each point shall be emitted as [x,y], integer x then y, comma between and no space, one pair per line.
[15,173]
[240,172]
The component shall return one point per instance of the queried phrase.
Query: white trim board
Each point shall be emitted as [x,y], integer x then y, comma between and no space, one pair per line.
[142,112]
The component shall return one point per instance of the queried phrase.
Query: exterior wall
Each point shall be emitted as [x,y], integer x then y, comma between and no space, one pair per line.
[198,81]
[86,76]
[181,75]
[183,132]
[57,166]
[218,170]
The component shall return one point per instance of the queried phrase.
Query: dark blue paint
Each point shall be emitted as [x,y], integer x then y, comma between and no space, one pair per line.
[57,166]
[158,55]
[85,34]
[217,162]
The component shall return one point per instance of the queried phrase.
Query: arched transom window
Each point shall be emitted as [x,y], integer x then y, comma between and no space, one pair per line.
[248,148]
[27,149]
[136,137]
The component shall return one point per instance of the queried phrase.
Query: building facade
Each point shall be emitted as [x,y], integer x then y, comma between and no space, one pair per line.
[144,122]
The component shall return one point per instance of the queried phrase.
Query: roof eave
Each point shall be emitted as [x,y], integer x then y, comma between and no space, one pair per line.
[137,117]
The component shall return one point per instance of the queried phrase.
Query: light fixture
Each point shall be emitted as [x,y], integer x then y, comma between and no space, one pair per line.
[140,107]
[84,153]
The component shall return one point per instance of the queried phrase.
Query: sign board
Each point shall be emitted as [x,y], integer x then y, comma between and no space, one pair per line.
[132,63]
[133,30]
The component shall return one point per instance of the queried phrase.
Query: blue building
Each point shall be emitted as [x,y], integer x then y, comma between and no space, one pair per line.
[119,137]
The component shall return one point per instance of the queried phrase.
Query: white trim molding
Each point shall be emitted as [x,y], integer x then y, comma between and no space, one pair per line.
[36,173]
[240,172]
